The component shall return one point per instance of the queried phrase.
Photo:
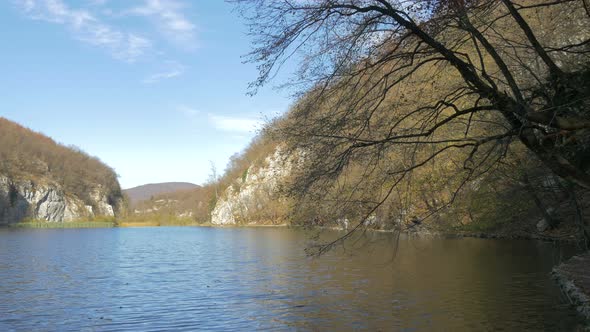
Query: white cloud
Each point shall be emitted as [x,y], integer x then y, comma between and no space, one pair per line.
[88,28]
[174,69]
[168,17]
[27,4]
[235,124]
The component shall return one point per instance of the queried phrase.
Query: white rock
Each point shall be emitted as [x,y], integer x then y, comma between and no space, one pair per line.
[24,199]
[250,194]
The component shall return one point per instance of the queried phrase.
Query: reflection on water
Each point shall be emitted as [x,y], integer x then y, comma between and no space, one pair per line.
[229,279]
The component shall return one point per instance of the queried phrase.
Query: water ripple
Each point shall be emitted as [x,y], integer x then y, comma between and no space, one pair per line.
[187,279]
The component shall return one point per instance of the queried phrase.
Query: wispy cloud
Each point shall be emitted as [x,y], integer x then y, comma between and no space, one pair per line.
[88,28]
[97,2]
[174,69]
[168,17]
[235,124]
[188,111]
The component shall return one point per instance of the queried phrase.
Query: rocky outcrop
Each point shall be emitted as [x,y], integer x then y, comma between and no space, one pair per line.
[43,200]
[253,198]
[572,278]
[226,208]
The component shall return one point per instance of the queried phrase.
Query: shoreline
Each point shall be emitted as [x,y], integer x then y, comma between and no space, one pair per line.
[412,232]
[123,224]
[58,225]
[574,280]
[422,232]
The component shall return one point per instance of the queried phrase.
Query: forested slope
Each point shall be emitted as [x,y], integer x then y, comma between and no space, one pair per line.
[475,118]
[41,179]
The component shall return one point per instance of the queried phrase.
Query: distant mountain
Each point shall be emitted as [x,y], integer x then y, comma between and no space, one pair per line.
[147,191]
[185,204]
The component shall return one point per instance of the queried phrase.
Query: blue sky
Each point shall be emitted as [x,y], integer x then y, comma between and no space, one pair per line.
[154,88]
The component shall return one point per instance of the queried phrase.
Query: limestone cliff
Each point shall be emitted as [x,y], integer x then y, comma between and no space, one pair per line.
[254,197]
[44,180]
[43,200]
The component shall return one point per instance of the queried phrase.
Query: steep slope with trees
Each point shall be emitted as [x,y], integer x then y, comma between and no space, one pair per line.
[408,108]
[41,179]
[254,197]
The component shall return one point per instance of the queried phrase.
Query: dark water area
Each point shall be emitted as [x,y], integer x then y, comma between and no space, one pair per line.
[153,279]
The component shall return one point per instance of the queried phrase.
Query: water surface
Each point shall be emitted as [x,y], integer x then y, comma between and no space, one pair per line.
[167,278]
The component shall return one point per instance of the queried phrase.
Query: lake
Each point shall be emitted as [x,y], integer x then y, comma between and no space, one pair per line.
[197,278]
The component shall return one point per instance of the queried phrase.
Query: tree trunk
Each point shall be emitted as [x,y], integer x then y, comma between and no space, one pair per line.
[582,224]
[556,163]
[538,202]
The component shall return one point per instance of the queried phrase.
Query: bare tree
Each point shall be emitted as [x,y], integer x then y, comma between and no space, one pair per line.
[213,178]
[429,77]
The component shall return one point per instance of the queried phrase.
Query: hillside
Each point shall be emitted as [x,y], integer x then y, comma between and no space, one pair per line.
[177,207]
[398,136]
[41,179]
[147,191]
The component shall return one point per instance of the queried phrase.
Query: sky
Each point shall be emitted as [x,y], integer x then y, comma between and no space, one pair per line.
[157,89]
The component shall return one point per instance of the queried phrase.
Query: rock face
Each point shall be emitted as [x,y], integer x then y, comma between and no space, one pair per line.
[572,278]
[28,199]
[254,197]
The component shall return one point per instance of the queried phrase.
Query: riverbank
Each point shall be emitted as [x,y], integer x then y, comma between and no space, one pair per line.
[563,234]
[130,224]
[520,229]
[573,277]
[151,223]
[501,236]
[418,230]
[73,224]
